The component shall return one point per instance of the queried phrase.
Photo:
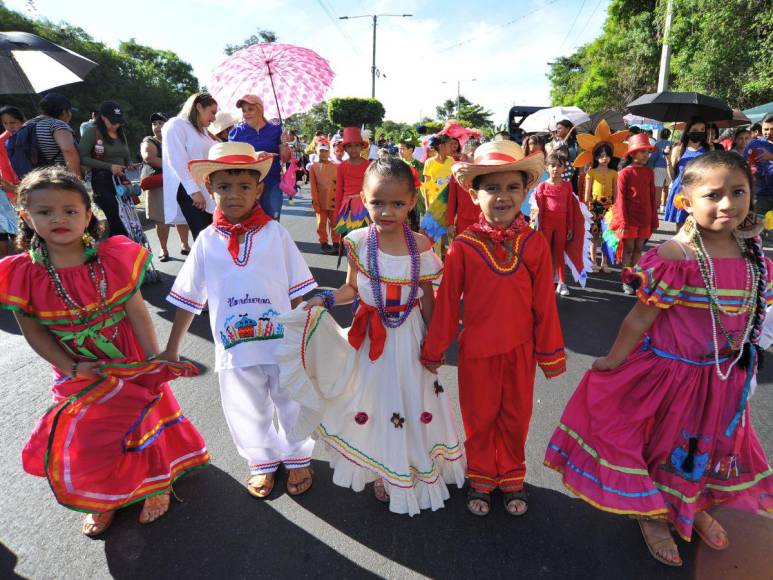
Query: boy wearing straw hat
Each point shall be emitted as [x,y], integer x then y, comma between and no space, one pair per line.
[248,269]
[510,322]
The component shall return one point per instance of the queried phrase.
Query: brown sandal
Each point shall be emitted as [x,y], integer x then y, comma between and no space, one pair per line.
[710,530]
[155,507]
[379,490]
[96,524]
[261,485]
[299,480]
[660,544]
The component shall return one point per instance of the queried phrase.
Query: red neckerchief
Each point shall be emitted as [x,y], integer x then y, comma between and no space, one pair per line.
[500,235]
[256,220]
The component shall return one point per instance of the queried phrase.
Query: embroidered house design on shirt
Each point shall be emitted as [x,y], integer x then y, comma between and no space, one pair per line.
[241,328]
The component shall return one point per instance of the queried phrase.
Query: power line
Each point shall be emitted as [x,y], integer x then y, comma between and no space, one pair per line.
[577,16]
[490,30]
[334,18]
[587,22]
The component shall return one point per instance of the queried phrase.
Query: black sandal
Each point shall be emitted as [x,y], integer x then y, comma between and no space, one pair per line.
[512,496]
[473,495]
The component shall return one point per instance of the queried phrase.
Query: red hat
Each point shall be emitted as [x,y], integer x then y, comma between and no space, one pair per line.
[353,135]
[638,142]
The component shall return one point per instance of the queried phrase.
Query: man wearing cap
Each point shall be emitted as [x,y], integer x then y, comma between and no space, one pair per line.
[56,140]
[263,136]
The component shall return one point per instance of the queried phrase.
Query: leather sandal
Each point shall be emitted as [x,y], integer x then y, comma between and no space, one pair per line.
[299,480]
[261,485]
[379,490]
[708,531]
[473,495]
[96,524]
[511,496]
[155,507]
[661,544]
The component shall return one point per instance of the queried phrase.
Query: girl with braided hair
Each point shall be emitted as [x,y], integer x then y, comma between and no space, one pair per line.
[660,428]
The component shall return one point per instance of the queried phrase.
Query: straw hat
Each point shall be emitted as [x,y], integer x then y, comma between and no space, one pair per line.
[498,156]
[223,120]
[231,155]
[638,142]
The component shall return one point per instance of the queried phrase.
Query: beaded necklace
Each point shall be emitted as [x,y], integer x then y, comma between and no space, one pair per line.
[375,276]
[100,284]
[708,274]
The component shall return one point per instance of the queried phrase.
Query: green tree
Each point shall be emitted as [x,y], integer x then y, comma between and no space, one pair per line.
[354,112]
[718,48]
[313,120]
[141,79]
[470,114]
[262,35]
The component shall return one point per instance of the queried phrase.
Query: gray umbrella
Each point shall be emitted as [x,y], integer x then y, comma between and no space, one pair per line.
[30,64]
[613,118]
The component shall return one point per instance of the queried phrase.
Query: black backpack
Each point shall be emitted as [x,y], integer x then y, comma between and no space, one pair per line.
[23,151]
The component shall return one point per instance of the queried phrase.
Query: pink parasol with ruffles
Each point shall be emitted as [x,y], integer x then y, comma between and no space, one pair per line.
[289,79]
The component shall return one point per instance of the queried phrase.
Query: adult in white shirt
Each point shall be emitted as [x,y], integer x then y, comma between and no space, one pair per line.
[185,137]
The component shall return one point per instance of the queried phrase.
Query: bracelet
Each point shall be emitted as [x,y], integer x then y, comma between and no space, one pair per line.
[74,368]
[328,298]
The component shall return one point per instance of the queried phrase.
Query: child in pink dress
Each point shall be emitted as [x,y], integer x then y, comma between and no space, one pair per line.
[660,429]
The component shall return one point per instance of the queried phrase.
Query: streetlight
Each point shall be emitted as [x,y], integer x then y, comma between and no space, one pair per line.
[375,18]
[458,92]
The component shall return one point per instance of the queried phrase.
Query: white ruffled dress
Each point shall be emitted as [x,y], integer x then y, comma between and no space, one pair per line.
[387,418]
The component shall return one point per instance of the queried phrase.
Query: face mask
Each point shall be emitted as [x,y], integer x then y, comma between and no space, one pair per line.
[696,136]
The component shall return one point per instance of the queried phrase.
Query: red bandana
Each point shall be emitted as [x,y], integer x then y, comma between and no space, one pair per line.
[256,220]
[500,235]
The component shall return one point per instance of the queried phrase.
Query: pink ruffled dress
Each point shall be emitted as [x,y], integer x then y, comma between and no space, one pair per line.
[662,435]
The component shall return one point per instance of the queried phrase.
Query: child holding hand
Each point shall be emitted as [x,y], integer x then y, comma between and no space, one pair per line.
[363,390]
[115,434]
[249,271]
[503,269]
[660,428]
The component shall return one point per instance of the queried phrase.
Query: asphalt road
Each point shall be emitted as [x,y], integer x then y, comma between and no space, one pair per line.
[218,530]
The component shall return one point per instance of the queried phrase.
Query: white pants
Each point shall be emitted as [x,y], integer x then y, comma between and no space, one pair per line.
[249,396]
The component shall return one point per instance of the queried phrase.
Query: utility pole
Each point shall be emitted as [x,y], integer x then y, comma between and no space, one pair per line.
[459,93]
[375,18]
[665,55]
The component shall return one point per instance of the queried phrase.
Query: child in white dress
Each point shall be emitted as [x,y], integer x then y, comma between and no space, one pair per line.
[363,390]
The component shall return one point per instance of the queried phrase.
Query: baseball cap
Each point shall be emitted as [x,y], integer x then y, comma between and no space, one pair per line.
[158,117]
[251,99]
[112,111]
[56,101]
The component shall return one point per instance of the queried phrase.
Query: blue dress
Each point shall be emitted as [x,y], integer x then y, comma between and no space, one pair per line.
[8,215]
[673,214]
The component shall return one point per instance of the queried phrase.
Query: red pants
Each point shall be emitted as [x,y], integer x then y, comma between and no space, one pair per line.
[496,394]
[325,224]
[553,227]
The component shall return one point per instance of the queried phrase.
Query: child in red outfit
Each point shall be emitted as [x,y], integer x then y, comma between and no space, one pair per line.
[350,213]
[556,215]
[498,260]
[635,210]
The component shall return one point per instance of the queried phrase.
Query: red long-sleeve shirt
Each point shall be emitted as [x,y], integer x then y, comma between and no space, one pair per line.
[556,199]
[349,179]
[508,300]
[636,203]
[460,204]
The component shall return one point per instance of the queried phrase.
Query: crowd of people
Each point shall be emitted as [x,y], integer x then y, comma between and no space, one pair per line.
[433,231]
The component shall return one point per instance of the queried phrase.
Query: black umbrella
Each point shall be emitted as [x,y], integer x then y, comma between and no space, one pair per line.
[680,107]
[30,64]
[613,118]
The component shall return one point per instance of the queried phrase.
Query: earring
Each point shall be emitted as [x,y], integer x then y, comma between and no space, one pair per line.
[89,245]
[750,227]
[35,249]
[689,227]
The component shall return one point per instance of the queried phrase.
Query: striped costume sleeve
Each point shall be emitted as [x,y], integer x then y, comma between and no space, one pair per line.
[189,290]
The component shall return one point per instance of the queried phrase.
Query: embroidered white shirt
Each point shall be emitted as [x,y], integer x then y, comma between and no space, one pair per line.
[244,296]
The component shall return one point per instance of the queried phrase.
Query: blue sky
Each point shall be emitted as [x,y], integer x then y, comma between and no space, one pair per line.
[505,46]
